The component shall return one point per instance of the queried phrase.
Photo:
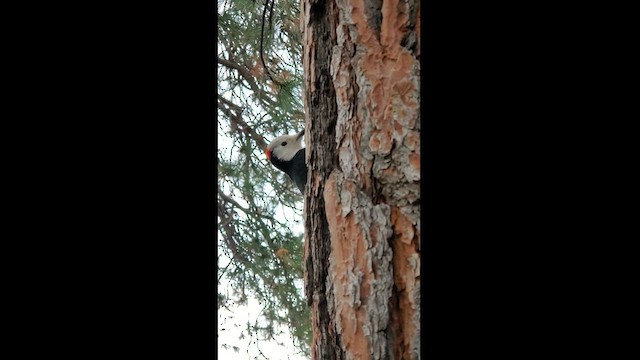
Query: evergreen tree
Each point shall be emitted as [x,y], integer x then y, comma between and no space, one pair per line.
[259,97]
[362,214]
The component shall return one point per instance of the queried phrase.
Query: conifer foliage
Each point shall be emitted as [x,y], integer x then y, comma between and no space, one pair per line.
[259,97]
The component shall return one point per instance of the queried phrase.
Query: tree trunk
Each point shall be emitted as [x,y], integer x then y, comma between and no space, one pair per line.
[362,199]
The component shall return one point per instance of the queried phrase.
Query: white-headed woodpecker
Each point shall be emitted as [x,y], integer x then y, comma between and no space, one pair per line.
[287,154]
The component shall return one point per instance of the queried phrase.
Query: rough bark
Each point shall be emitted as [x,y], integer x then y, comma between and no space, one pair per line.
[362,253]
[320,106]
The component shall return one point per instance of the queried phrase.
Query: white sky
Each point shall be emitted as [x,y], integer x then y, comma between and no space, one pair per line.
[230,327]
[232,322]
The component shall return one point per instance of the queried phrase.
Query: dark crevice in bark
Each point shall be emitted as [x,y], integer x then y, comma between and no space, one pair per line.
[394,331]
[317,11]
[373,11]
[410,39]
[322,160]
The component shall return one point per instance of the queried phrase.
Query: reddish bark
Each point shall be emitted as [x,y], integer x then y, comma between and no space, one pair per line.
[361,63]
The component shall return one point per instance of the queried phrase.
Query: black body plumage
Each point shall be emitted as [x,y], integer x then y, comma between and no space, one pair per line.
[287,154]
[295,168]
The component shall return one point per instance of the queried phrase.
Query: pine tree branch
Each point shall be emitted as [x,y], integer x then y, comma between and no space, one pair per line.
[246,74]
[271,15]
[228,199]
[266,69]
[239,121]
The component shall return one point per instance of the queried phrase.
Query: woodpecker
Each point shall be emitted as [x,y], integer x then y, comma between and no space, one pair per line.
[287,154]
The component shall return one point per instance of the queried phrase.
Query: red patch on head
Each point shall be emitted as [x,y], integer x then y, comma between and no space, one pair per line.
[268,154]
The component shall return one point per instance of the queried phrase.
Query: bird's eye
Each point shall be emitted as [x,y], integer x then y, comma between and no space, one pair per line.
[284,143]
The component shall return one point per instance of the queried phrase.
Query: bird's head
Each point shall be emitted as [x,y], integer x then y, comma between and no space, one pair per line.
[285,147]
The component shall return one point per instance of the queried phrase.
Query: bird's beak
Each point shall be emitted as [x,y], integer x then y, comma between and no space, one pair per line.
[268,154]
[299,135]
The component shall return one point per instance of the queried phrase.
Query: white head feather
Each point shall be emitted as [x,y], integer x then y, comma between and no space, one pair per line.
[285,147]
